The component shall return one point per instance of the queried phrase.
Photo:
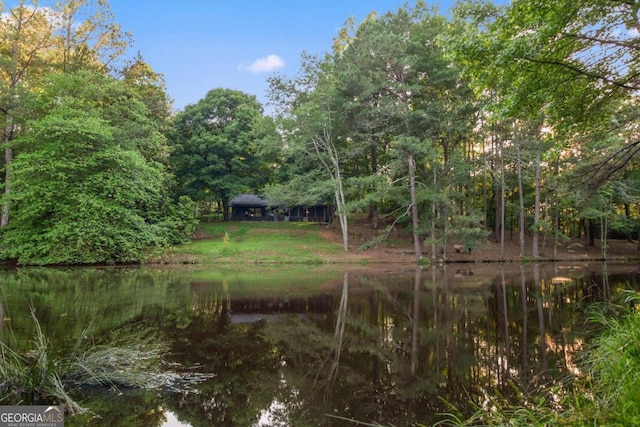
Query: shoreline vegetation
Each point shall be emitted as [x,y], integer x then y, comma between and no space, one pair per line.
[604,393]
[311,243]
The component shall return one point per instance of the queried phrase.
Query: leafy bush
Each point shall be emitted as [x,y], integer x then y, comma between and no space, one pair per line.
[88,185]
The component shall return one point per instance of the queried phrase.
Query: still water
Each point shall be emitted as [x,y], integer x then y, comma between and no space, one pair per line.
[289,346]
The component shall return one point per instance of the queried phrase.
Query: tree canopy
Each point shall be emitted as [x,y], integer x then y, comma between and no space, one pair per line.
[214,143]
[86,178]
[89,185]
[489,123]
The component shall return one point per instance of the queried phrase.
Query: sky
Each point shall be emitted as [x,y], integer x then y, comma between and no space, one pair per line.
[200,45]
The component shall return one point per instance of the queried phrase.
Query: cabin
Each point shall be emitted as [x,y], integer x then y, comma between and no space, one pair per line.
[320,212]
[251,207]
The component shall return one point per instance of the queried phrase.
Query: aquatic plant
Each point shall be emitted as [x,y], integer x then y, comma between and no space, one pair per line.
[34,374]
[612,365]
[41,374]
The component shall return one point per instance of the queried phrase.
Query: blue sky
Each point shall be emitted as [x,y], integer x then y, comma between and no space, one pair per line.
[199,45]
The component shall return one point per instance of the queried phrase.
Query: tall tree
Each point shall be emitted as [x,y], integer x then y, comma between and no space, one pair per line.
[26,36]
[88,36]
[89,187]
[309,122]
[36,40]
[149,86]
[214,144]
[505,52]
[406,106]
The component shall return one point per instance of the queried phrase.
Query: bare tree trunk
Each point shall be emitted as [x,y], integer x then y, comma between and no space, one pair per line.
[342,213]
[520,200]
[627,215]
[604,230]
[545,215]
[414,206]
[497,150]
[434,211]
[502,201]
[485,209]
[324,145]
[556,215]
[373,207]
[373,215]
[8,158]
[536,207]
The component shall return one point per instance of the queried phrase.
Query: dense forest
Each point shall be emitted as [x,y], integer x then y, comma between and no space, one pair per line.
[504,123]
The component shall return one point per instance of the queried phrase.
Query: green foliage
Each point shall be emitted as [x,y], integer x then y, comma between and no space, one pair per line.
[88,186]
[180,223]
[43,373]
[613,364]
[468,231]
[214,155]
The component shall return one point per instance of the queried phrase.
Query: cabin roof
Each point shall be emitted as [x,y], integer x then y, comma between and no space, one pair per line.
[249,200]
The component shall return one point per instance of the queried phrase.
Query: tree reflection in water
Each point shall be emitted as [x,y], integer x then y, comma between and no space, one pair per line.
[396,348]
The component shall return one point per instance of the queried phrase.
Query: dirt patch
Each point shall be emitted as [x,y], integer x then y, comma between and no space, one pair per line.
[201,234]
[398,248]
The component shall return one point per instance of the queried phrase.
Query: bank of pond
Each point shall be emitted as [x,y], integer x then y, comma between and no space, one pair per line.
[313,346]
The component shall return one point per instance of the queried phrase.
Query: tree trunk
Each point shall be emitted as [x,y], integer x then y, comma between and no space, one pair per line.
[521,201]
[603,235]
[373,215]
[536,207]
[485,209]
[373,207]
[414,206]
[627,215]
[324,145]
[496,191]
[556,213]
[8,158]
[342,213]
[545,216]
[502,201]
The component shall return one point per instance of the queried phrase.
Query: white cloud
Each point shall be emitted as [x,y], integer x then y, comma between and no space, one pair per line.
[264,65]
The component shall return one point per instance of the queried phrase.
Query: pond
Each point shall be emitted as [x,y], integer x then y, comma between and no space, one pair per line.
[291,346]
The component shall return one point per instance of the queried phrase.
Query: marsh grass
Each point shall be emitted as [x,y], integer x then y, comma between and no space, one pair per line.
[43,375]
[33,375]
[612,365]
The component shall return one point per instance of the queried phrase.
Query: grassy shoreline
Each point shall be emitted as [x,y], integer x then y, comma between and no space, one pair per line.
[254,242]
[235,243]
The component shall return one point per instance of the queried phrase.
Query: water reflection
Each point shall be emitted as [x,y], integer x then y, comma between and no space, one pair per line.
[319,347]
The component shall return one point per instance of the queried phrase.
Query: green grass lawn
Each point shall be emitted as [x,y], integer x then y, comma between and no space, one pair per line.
[259,242]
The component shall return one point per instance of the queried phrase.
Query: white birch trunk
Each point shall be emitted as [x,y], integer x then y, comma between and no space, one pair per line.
[324,145]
